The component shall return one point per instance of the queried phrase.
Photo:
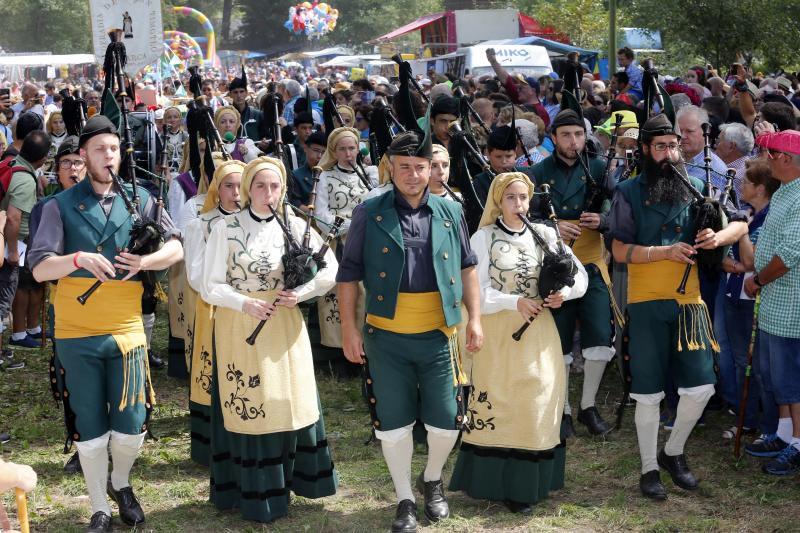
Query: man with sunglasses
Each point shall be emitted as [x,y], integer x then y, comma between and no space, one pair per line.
[777,259]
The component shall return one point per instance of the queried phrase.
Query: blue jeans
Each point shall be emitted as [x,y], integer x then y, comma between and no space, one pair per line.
[781,367]
[728,385]
[739,319]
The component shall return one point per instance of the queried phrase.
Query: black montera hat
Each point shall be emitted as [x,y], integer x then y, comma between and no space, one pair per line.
[97,125]
[411,143]
[656,126]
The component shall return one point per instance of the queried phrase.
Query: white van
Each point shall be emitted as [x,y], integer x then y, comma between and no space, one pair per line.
[530,60]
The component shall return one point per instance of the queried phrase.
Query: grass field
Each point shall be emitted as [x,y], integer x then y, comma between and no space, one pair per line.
[601,492]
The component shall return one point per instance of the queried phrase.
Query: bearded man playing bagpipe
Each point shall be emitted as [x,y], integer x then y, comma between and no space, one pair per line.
[84,237]
[665,230]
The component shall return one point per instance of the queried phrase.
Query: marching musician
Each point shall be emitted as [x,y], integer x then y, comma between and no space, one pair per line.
[83,236]
[341,188]
[411,250]
[502,151]
[267,429]
[667,333]
[512,450]
[228,122]
[567,178]
[221,200]
[250,117]
[301,182]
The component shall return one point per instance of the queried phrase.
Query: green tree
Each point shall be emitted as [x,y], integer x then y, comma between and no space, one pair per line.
[585,21]
[716,30]
[58,26]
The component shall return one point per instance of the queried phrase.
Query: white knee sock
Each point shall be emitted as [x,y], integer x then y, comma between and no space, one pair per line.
[785,429]
[124,449]
[149,321]
[94,463]
[567,406]
[646,418]
[398,458]
[690,408]
[440,444]
[592,376]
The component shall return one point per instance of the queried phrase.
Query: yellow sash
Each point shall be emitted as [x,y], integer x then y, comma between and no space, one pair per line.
[588,248]
[418,312]
[116,310]
[658,281]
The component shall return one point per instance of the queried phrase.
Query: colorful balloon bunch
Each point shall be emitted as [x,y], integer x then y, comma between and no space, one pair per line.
[313,20]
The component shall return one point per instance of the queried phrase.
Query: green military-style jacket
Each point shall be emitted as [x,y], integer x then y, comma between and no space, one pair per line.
[88,229]
[567,184]
[384,255]
[653,224]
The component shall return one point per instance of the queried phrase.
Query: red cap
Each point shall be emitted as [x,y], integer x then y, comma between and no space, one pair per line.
[783,141]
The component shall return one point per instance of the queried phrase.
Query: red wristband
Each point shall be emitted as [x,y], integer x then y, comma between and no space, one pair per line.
[75,259]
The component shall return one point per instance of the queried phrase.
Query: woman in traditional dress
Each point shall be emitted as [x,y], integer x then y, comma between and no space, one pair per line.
[227,120]
[339,191]
[222,200]
[267,431]
[512,450]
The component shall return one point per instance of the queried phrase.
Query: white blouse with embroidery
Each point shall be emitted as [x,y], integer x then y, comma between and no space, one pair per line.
[243,255]
[509,263]
[338,193]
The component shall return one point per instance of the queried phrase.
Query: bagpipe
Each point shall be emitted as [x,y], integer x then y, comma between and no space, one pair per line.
[558,267]
[300,263]
[595,193]
[708,213]
[146,235]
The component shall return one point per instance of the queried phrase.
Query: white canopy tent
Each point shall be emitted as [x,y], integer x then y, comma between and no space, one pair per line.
[45,59]
[355,61]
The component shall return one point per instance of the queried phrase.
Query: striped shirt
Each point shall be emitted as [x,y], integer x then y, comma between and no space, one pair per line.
[780,237]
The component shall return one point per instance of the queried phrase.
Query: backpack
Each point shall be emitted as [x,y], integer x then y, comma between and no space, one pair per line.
[7,170]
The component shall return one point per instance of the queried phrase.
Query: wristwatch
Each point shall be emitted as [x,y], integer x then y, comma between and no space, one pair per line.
[757,281]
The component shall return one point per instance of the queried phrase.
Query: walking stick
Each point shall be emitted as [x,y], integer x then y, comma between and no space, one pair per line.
[22,511]
[737,446]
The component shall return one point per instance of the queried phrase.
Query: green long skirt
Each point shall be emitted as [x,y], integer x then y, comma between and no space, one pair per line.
[255,473]
[200,426]
[505,474]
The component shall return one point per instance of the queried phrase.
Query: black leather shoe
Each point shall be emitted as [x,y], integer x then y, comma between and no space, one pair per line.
[678,470]
[154,360]
[129,509]
[568,426]
[73,466]
[519,508]
[405,519]
[590,417]
[651,487]
[436,507]
[100,523]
